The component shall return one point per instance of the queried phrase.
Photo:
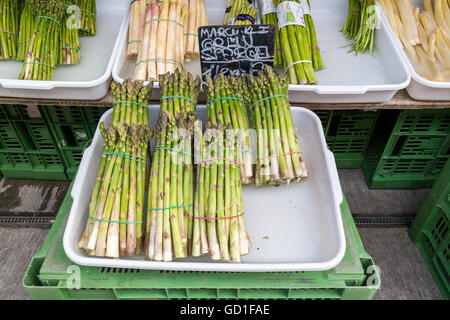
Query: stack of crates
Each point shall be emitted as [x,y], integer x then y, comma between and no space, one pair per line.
[348,133]
[73,129]
[27,147]
[431,231]
[409,149]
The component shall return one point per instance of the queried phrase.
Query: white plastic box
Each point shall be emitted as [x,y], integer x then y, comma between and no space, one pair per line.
[296,227]
[347,78]
[419,88]
[88,80]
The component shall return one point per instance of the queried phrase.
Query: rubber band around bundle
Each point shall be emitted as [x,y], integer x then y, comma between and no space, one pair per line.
[179,97]
[213,219]
[314,48]
[174,150]
[159,60]
[40,63]
[294,63]
[111,221]
[130,102]
[6,31]
[88,12]
[175,207]
[162,20]
[226,98]
[70,48]
[133,41]
[49,18]
[268,98]
[245,17]
[220,160]
[191,34]
[126,156]
[133,1]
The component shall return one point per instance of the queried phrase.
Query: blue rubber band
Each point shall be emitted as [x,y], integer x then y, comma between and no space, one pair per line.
[179,151]
[179,97]
[131,102]
[70,48]
[126,222]
[268,98]
[126,156]
[49,18]
[226,98]
[176,207]
[40,63]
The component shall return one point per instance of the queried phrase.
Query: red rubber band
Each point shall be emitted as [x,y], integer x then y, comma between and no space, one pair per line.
[314,48]
[213,219]
[5,31]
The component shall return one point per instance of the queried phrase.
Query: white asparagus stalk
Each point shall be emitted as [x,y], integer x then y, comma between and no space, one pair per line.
[439,15]
[446,9]
[408,21]
[171,37]
[428,66]
[161,40]
[422,34]
[428,22]
[388,9]
[133,30]
[191,27]
[180,40]
[428,6]
[406,44]
[442,47]
[432,47]
[198,23]
[152,73]
[142,60]
[185,26]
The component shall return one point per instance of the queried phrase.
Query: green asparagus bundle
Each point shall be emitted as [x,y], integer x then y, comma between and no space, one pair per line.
[9,29]
[171,189]
[115,223]
[43,48]
[219,225]
[25,30]
[279,157]
[296,43]
[360,25]
[242,13]
[269,16]
[311,31]
[88,17]
[225,94]
[69,39]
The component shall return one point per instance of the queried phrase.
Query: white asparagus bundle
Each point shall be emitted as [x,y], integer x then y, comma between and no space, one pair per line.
[197,17]
[424,35]
[136,27]
[163,44]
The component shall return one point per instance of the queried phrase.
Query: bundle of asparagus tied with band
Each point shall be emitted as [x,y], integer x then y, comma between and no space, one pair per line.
[195,19]
[9,29]
[69,39]
[279,157]
[242,12]
[171,188]
[360,25]
[295,42]
[43,47]
[225,94]
[136,26]
[313,44]
[269,16]
[162,49]
[115,222]
[88,17]
[27,18]
[219,225]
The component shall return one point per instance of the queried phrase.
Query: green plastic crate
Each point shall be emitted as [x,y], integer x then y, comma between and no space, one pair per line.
[409,153]
[348,134]
[431,231]
[70,130]
[50,272]
[27,147]
[92,117]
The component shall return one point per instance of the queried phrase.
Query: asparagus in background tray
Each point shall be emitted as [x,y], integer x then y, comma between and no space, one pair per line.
[242,12]
[269,16]
[88,17]
[424,35]
[69,39]
[27,19]
[115,220]
[279,157]
[163,35]
[9,29]
[169,224]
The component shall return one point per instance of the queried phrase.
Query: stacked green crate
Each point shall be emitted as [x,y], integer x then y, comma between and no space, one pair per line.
[431,231]
[51,275]
[348,133]
[71,134]
[27,147]
[409,149]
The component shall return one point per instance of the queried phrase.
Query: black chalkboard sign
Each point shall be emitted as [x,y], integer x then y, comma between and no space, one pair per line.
[234,50]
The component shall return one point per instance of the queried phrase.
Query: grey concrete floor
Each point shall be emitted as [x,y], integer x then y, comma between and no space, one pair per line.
[404,274]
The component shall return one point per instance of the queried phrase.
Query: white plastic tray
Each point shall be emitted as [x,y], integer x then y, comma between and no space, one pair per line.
[419,88]
[88,80]
[292,228]
[347,79]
